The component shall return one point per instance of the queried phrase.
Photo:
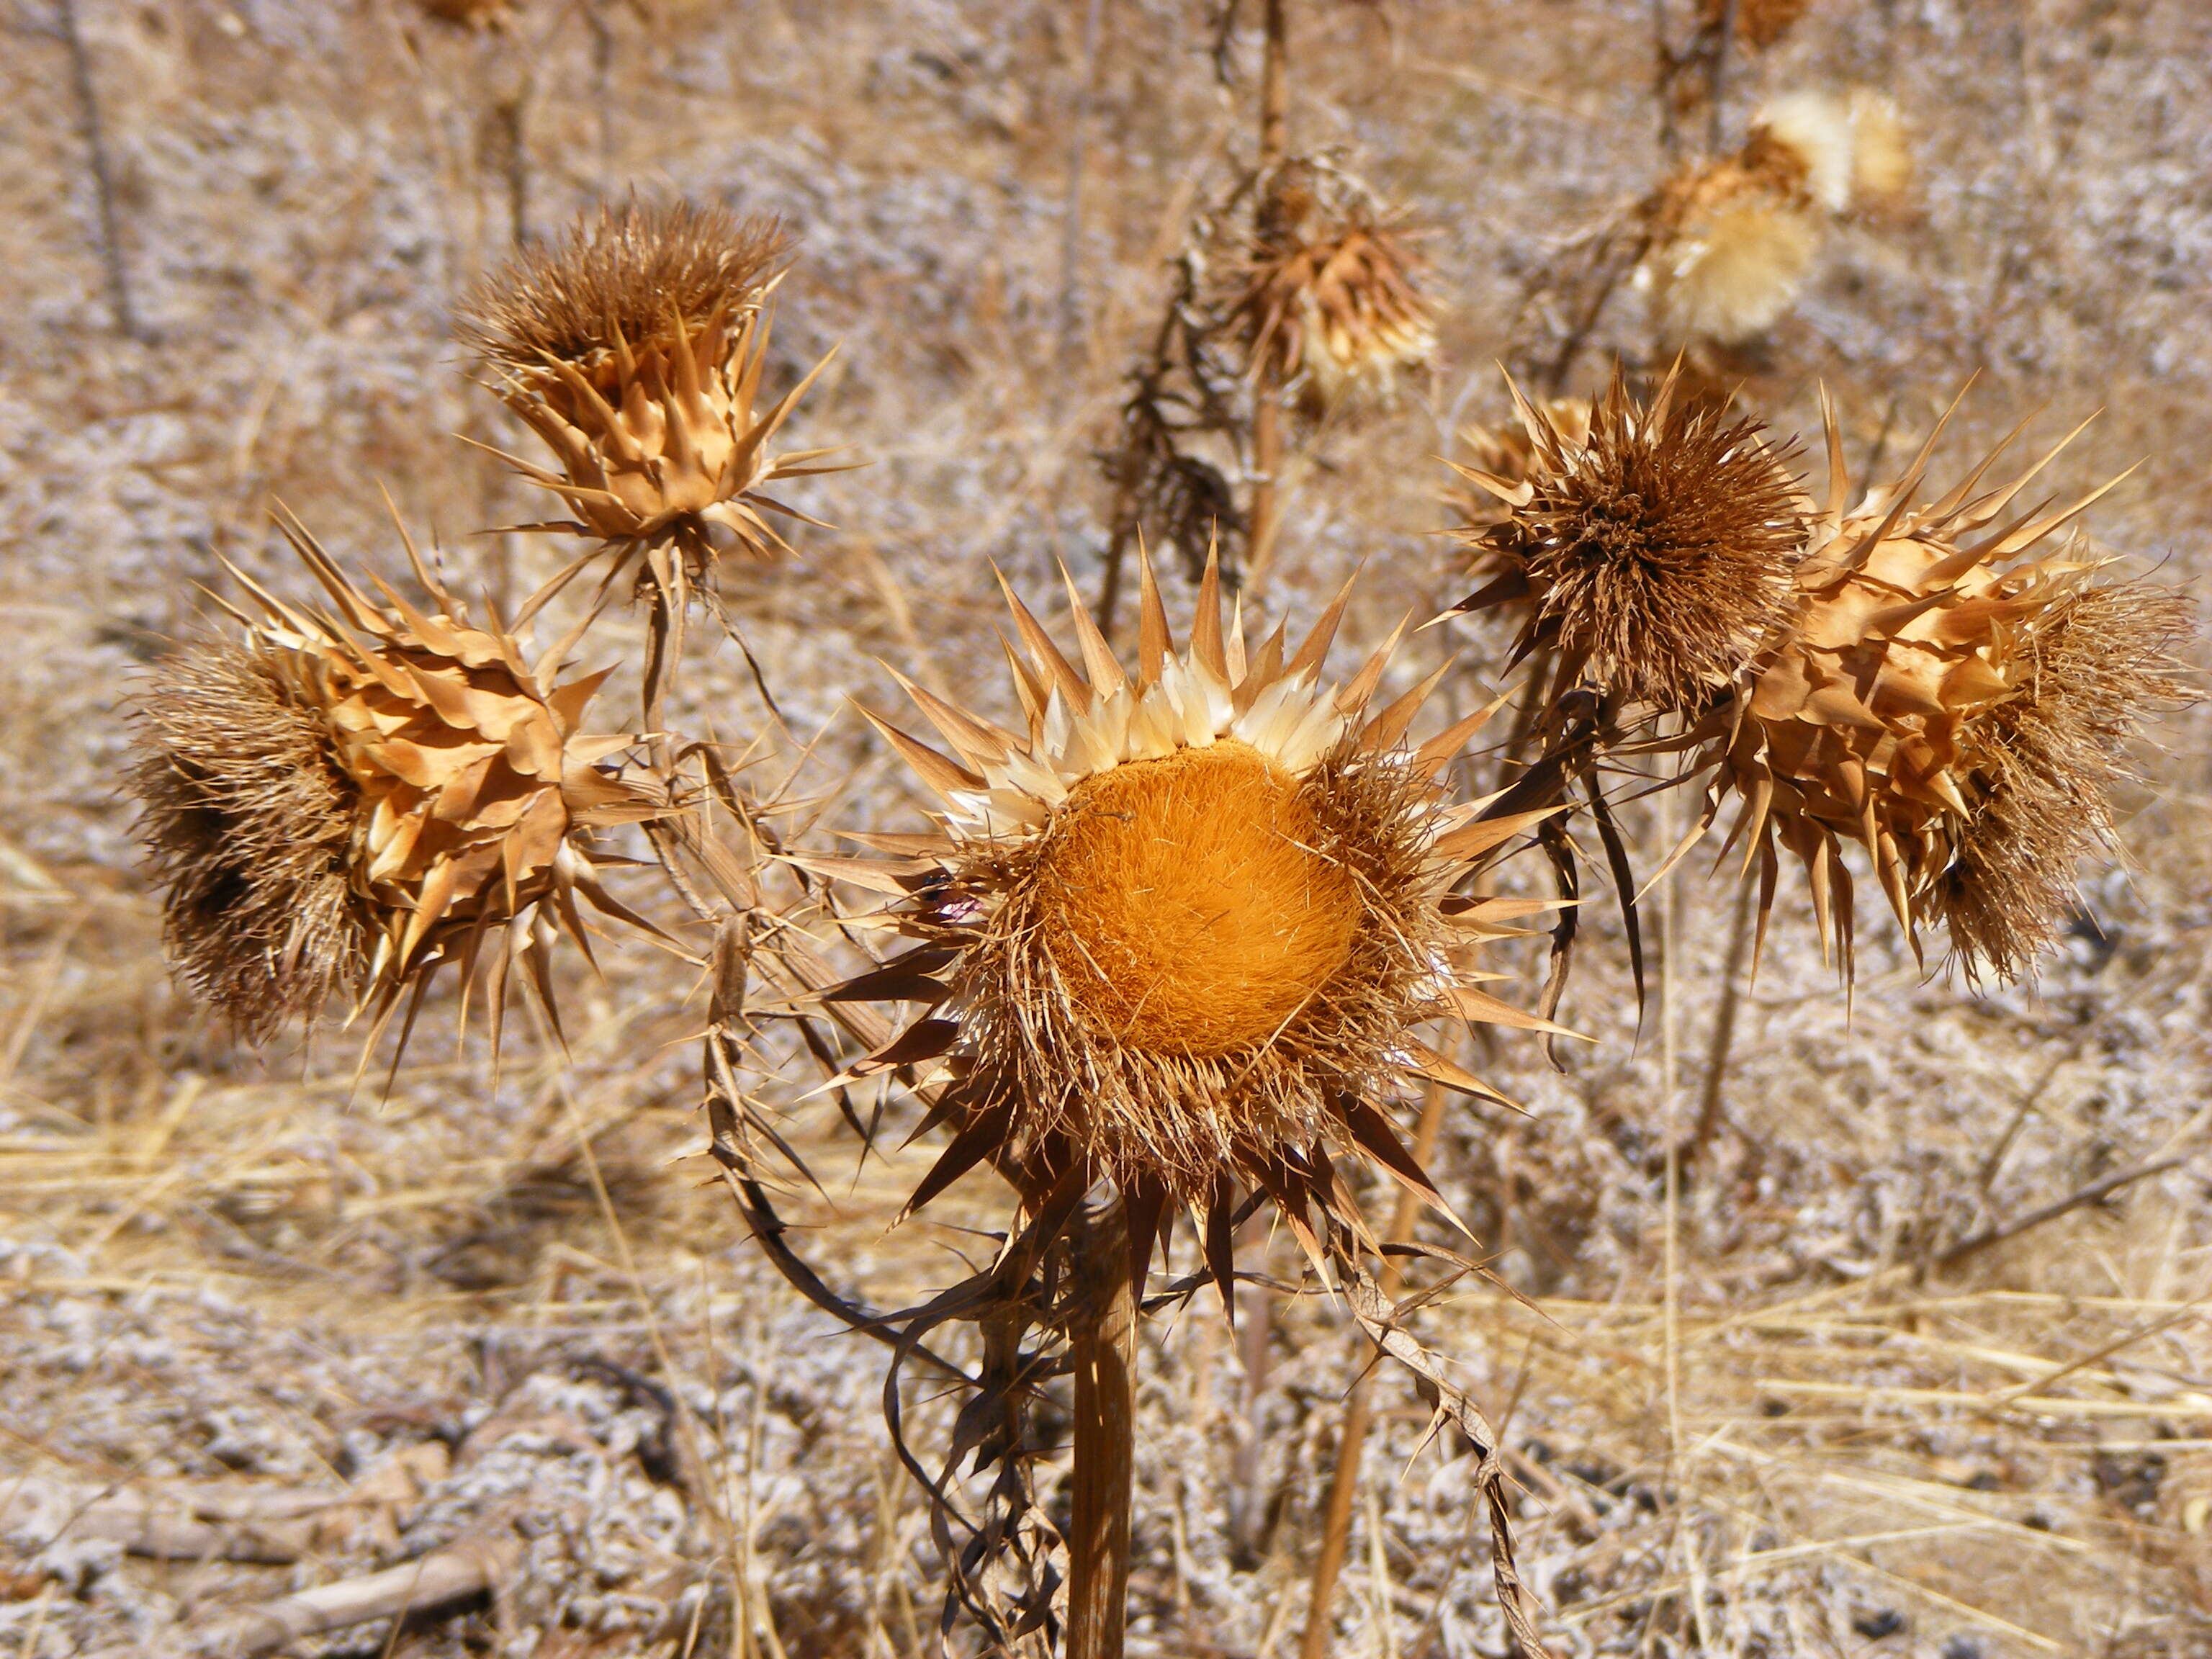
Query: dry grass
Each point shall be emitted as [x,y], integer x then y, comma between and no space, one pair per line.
[1870,1409]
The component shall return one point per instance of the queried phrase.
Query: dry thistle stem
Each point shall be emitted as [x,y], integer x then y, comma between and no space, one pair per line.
[634,347]
[1732,240]
[1651,541]
[1180,935]
[343,801]
[1328,304]
[1963,720]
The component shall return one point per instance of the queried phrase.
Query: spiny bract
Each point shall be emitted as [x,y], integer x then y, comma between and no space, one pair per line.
[1962,716]
[1651,540]
[342,801]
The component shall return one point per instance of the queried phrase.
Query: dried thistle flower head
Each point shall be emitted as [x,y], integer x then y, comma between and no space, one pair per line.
[1328,302]
[1182,933]
[1881,151]
[635,347]
[1962,717]
[1507,453]
[1758,23]
[1732,241]
[1653,550]
[342,801]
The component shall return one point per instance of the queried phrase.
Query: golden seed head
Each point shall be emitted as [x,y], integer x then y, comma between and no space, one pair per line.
[1653,545]
[1187,901]
[1186,925]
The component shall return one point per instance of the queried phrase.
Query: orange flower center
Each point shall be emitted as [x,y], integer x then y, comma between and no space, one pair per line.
[1186,904]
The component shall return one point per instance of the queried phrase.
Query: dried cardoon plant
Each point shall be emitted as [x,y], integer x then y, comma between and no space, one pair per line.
[634,347]
[340,802]
[1182,937]
[1163,491]
[1327,306]
[1651,540]
[1960,712]
[1731,241]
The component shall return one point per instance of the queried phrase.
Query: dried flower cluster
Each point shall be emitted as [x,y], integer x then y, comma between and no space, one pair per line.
[1732,240]
[634,348]
[1182,934]
[1327,304]
[1187,933]
[1962,718]
[1651,541]
[343,801]
[1891,676]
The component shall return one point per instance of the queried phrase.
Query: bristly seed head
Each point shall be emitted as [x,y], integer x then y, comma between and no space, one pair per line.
[1655,551]
[345,801]
[2046,763]
[1189,903]
[247,820]
[619,278]
[1954,697]
[635,349]
[1182,933]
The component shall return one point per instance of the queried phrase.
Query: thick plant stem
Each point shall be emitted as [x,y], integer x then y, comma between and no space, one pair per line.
[1717,1059]
[1103,1348]
[95,132]
[1359,1414]
[1266,404]
[1274,85]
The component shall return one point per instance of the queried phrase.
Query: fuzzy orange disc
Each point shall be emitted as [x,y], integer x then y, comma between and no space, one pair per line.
[1186,904]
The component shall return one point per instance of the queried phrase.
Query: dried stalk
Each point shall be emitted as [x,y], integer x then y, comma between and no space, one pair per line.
[94,129]
[1266,401]
[1359,1414]
[1717,1057]
[1103,1346]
